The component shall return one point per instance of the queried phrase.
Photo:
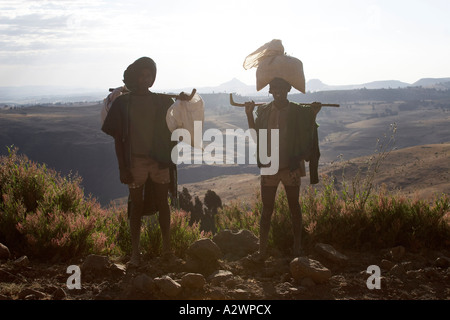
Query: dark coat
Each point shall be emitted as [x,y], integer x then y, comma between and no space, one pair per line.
[117,125]
[303,143]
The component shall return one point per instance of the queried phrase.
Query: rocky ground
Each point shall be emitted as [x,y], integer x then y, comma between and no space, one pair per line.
[213,272]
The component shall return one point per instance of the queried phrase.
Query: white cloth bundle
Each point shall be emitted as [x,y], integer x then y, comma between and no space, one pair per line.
[271,62]
[183,115]
[108,101]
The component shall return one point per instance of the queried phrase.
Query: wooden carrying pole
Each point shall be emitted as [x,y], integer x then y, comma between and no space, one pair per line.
[174,96]
[260,104]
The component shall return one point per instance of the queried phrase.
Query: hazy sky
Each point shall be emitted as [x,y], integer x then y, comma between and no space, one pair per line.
[197,43]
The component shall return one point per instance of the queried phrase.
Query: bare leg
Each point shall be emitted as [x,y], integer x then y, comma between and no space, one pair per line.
[164,215]
[268,199]
[292,193]
[137,204]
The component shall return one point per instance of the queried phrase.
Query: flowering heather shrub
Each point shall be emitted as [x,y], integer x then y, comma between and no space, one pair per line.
[410,222]
[113,230]
[45,215]
[182,234]
[386,219]
[41,213]
[235,217]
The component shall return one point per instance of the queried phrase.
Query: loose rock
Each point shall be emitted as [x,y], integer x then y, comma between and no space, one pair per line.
[236,244]
[442,262]
[59,294]
[398,270]
[31,294]
[240,294]
[95,263]
[4,252]
[307,282]
[144,283]
[22,262]
[330,253]
[386,264]
[203,256]
[204,250]
[193,281]
[302,267]
[168,286]
[397,253]
[220,276]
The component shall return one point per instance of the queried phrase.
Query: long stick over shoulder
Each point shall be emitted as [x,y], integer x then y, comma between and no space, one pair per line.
[260,104]
[174,96]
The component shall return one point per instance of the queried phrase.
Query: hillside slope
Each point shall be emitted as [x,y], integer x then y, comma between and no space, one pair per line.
[67,137]
[420,171]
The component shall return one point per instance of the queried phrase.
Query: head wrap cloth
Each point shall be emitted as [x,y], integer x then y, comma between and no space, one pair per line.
[131,74]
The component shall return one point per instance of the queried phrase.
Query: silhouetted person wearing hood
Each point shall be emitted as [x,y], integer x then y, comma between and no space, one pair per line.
[137,122]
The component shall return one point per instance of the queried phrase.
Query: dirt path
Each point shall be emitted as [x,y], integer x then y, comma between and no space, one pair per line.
[409,276]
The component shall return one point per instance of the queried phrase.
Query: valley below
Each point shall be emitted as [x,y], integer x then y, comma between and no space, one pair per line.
[411,136]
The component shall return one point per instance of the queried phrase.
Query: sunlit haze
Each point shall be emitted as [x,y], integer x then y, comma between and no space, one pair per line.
[204,43]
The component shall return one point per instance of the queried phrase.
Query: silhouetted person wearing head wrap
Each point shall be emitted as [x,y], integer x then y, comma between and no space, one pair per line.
[137,121]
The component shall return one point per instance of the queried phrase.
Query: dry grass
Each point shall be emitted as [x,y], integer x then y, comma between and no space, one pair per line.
[421,172]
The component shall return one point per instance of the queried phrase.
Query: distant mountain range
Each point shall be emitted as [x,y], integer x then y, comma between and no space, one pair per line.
[54,94]
[48,94]
[438,83]
[314,85]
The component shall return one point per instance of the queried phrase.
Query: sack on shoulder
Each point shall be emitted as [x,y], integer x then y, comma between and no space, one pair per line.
[272,62]
[183,114]
[285,67]
[108,101]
